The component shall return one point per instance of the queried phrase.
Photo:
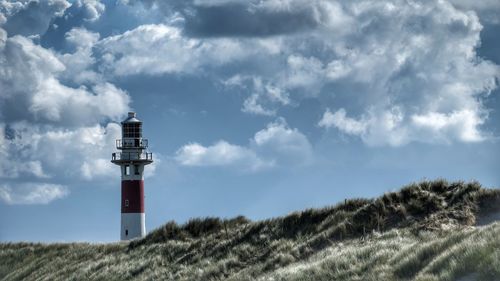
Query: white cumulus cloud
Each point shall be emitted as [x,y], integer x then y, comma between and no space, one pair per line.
[92,9]
[276,145]
[394,127]
[39,152]
[386,60]
[342,122]
[32,89]
[284,145]
[52,132]
[130,53]
[461,125]
[221,153]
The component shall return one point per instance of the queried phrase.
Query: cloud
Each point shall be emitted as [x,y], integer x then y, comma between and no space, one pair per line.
[284,145]
[15,169]
[125,54]
[404,70]
[234,18]
[30,17]
[129,53]
[79,64]
[343,123]
[51,131]
[264,94]
[460,125]
[395,60]
[393,127]
[393,72]
[221,153]
[254,106]
[386,60]
[377,127]
[244,19]
[82,38]
[275,146]
[32,193]
[95,168]
[39,152]
[33,89]
[488,10]
[403,61]
[91,9]
[305,73]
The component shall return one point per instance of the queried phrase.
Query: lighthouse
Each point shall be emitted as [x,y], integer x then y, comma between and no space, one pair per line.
[132,158]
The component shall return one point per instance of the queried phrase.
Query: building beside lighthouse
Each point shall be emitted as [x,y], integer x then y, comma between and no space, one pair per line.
[132,158]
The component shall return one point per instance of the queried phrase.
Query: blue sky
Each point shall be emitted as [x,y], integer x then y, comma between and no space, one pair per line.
[255,108]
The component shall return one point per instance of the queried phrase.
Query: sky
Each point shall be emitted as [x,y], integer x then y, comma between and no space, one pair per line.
[251,107]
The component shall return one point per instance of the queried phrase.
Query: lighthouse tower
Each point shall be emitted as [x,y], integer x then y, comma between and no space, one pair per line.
[132,159]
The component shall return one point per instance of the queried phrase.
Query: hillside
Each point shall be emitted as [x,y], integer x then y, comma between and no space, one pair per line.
[432,230]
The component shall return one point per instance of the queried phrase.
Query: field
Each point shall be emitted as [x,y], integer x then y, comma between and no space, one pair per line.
[432,230]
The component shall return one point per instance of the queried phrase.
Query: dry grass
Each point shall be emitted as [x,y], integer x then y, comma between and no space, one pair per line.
[422,232]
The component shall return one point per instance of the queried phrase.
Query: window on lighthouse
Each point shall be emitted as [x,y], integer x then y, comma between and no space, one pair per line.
[136,170]
[133,130]
[126,203]
[126,170]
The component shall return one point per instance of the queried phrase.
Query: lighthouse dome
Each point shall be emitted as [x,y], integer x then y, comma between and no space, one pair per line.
[131,118]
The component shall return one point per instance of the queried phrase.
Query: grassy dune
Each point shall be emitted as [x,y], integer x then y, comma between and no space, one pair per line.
[425,231]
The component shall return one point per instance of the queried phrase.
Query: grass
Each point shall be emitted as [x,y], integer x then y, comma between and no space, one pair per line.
[425,231]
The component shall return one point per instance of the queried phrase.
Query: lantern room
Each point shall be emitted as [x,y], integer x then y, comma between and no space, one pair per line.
[131,127]
[132,134]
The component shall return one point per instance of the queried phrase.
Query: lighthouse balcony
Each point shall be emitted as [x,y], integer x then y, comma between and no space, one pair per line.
[138,143]
[120,157]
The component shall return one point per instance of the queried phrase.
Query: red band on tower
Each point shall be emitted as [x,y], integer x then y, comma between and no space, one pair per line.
[133,191]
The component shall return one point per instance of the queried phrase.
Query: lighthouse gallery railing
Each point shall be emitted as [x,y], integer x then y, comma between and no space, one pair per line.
[132,156]
[131,143]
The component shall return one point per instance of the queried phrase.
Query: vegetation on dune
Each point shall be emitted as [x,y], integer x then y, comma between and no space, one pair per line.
[425,231]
